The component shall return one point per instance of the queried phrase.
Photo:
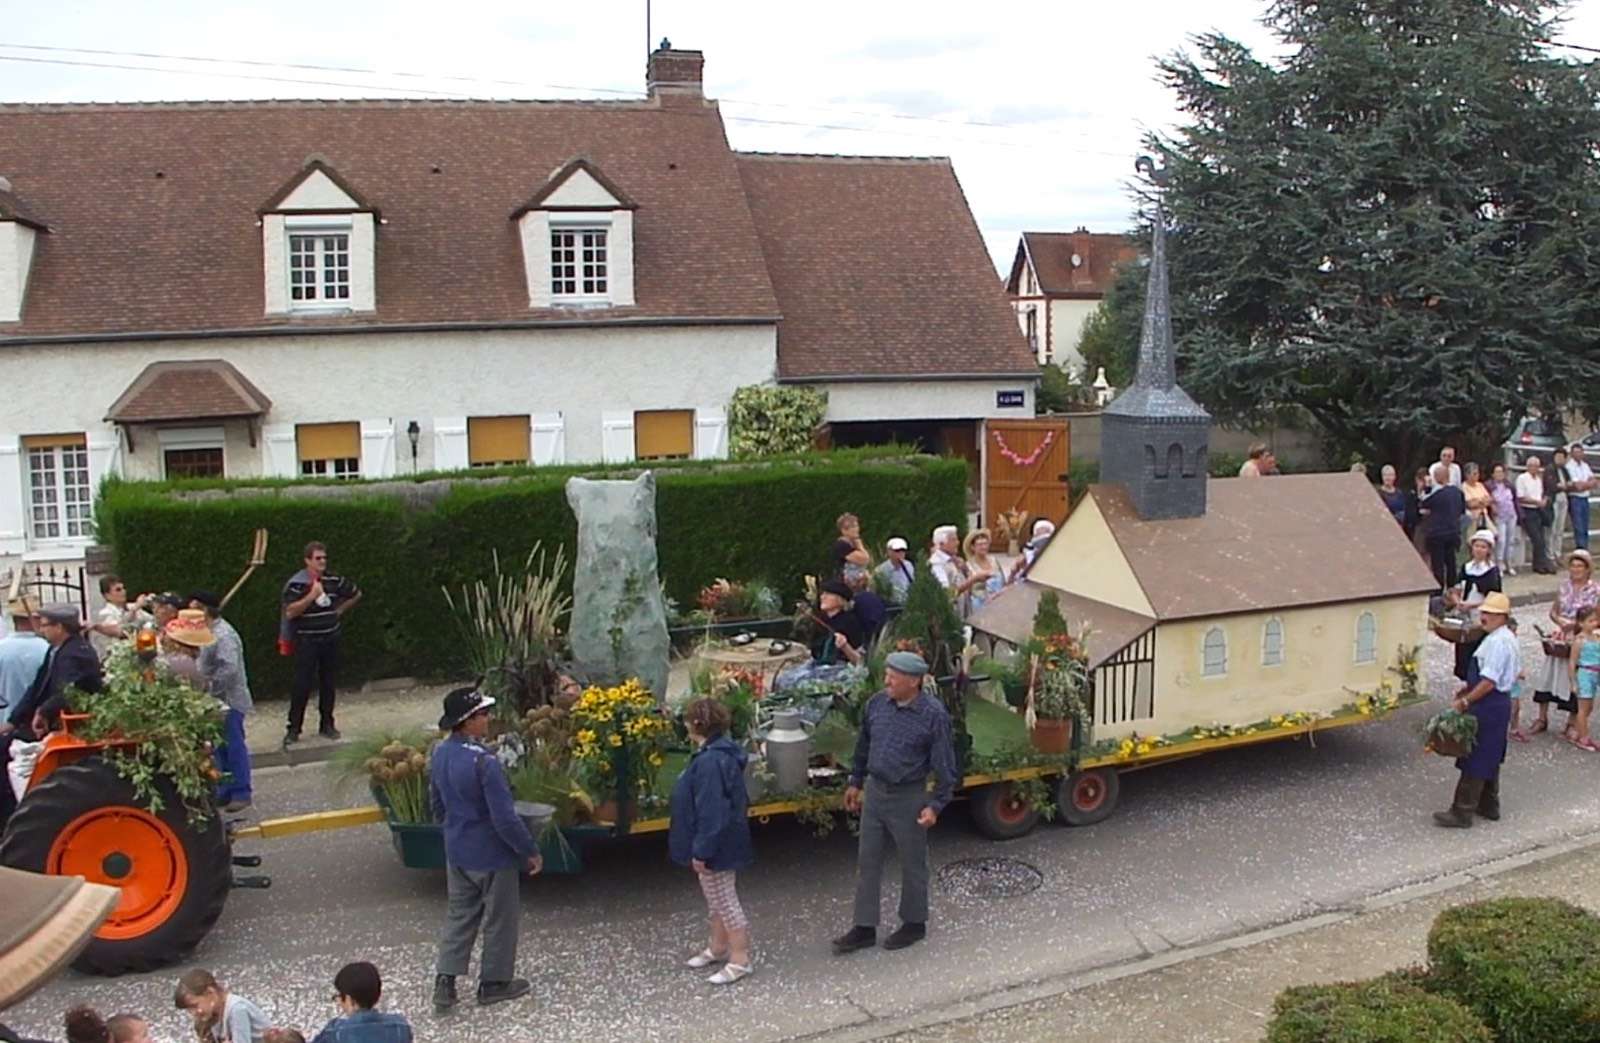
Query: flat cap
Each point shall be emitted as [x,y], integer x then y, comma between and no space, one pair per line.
[907,663]
[61,612]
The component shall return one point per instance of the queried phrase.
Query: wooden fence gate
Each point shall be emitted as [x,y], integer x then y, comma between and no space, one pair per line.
[1025,468]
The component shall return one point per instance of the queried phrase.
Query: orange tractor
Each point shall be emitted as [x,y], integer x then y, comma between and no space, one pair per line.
[79,817]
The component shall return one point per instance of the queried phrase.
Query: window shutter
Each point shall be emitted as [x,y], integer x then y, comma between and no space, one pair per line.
[279,458]
[377,448]
[450,443]
[498,440]
[105,457]
[616,437]
[710,434]
[549,439]
[13,497]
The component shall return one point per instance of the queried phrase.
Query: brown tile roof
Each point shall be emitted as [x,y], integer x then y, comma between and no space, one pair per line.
[315,166]
[879,269]
[560,177]
[1100,254]
[1282,542]
[12,209]
[153,207]
[1009,616]
[205,389]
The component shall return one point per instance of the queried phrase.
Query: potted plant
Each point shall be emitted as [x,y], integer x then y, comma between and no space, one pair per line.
[619,743]
[1056,699]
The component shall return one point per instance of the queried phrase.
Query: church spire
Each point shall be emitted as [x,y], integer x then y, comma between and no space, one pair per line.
[1153,436]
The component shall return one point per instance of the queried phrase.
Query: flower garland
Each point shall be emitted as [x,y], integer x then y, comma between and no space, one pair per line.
[1024,461]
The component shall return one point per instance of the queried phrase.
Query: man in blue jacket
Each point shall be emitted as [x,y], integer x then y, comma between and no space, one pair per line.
[485,846]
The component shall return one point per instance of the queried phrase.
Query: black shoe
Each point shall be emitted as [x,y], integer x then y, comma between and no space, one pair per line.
[855,938]
[908,934]
[444,993]
[290,738]
[328,731]
[501,991]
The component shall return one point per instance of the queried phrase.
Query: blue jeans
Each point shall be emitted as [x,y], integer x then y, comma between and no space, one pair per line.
[233,760]
[1578,506]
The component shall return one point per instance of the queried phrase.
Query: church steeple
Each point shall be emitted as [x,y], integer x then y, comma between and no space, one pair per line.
[1153,436]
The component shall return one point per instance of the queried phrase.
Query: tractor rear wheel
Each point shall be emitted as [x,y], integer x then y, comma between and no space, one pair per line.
[85,821]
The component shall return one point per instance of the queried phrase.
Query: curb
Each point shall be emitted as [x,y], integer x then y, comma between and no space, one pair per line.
[290,758]
[872,1028]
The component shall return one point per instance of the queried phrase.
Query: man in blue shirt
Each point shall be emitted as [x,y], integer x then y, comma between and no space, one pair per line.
[357,988]
[905,737]
[485,846]
[22,653]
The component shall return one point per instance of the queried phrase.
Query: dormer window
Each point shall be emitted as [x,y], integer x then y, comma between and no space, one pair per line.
[318,240]
[578,263]
[577,241]
[18,230]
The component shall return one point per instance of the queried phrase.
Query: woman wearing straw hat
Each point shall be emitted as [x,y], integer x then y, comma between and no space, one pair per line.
[186,634]
[1487,696]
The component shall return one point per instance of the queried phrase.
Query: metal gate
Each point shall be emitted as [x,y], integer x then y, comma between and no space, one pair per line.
[45,585]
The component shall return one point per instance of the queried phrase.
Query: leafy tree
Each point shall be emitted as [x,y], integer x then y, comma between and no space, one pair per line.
[1395,228]
[1111,335]
[768,421]
[1056,393]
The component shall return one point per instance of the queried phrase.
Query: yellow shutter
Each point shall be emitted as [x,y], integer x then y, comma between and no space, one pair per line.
[661,433]
[47,441]
[328,441]
[497,440]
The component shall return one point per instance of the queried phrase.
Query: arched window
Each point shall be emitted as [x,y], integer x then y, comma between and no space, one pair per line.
[1214,653]
[1272,642]
[1366,638]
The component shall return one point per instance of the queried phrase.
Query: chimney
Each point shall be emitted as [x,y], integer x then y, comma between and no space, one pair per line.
[675,72]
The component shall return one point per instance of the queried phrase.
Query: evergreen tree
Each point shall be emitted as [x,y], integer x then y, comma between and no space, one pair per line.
[1047,618]
[1110,336]
[1395,228]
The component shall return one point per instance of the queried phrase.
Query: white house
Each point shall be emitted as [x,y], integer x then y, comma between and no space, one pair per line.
[1057,281]
[368,288]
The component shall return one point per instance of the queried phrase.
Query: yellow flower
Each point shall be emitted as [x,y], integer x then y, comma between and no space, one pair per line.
[656,760]
[616,740]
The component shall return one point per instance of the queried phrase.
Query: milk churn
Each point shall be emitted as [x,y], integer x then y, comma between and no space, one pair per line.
[788,751]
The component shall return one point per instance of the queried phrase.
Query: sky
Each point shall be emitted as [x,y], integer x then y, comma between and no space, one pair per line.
[1041,104]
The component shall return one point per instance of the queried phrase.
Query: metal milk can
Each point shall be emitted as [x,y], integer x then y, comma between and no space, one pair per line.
[789,751]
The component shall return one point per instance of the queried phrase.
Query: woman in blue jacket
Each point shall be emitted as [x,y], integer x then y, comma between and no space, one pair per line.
[710,833]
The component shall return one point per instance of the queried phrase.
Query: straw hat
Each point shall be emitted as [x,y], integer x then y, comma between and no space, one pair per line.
[1483,536]
[44,923]
[191,628]
[1581,555]
[1496,603]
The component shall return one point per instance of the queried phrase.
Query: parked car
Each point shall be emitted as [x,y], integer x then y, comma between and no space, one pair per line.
[1534,435]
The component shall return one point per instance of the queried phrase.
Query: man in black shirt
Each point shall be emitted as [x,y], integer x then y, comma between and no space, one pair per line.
[1444,507]
[314,604]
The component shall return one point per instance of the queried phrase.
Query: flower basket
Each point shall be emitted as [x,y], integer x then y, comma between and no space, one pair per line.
[1452,734]
[1455,631]
[1556,649]
[1051,736]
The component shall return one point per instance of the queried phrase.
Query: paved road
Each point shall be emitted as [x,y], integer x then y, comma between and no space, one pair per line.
[1199,850]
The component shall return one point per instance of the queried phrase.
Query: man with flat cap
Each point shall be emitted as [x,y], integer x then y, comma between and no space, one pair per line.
[69,663]
[905,737]
[485,846]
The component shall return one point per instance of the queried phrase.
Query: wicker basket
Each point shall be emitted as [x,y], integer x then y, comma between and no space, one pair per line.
[1457,632]
[1557,649]
[1447,747]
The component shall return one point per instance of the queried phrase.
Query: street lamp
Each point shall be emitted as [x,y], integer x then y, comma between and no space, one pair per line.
[413,432]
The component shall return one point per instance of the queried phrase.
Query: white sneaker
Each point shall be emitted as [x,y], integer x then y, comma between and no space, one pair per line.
[731,973]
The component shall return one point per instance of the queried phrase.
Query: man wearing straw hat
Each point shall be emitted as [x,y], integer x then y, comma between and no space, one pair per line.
[222,666]
[905,737]
[1486,696]
[485,845]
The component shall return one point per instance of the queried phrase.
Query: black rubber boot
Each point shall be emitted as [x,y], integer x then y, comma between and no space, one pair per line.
[1468,792]
[444,993]
[1489,802]
[857,937]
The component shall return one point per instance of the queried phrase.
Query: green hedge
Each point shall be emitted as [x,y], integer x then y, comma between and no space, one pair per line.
[1379,1011]
[1530,967]
[771,520]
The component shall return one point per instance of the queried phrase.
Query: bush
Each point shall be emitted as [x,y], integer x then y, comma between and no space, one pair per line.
[1530,967]
[771,521]
[765,421]
[1379,1011]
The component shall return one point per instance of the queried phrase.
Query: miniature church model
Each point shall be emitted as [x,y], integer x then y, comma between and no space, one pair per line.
[1216,600]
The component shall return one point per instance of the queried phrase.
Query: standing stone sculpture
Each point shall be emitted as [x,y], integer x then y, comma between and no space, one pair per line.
[619,620]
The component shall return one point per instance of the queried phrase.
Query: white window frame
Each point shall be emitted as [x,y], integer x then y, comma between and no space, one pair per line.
[191,438]
[1366,656]
[1205,647]
[60,490]
[1273,624]
[588,226]
[319,228]
[341,467]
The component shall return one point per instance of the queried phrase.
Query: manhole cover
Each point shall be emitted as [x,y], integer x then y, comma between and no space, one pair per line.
[989,878]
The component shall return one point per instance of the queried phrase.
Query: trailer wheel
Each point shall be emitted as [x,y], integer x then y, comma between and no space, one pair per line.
[999,813]
[85,821]
[1086,797]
